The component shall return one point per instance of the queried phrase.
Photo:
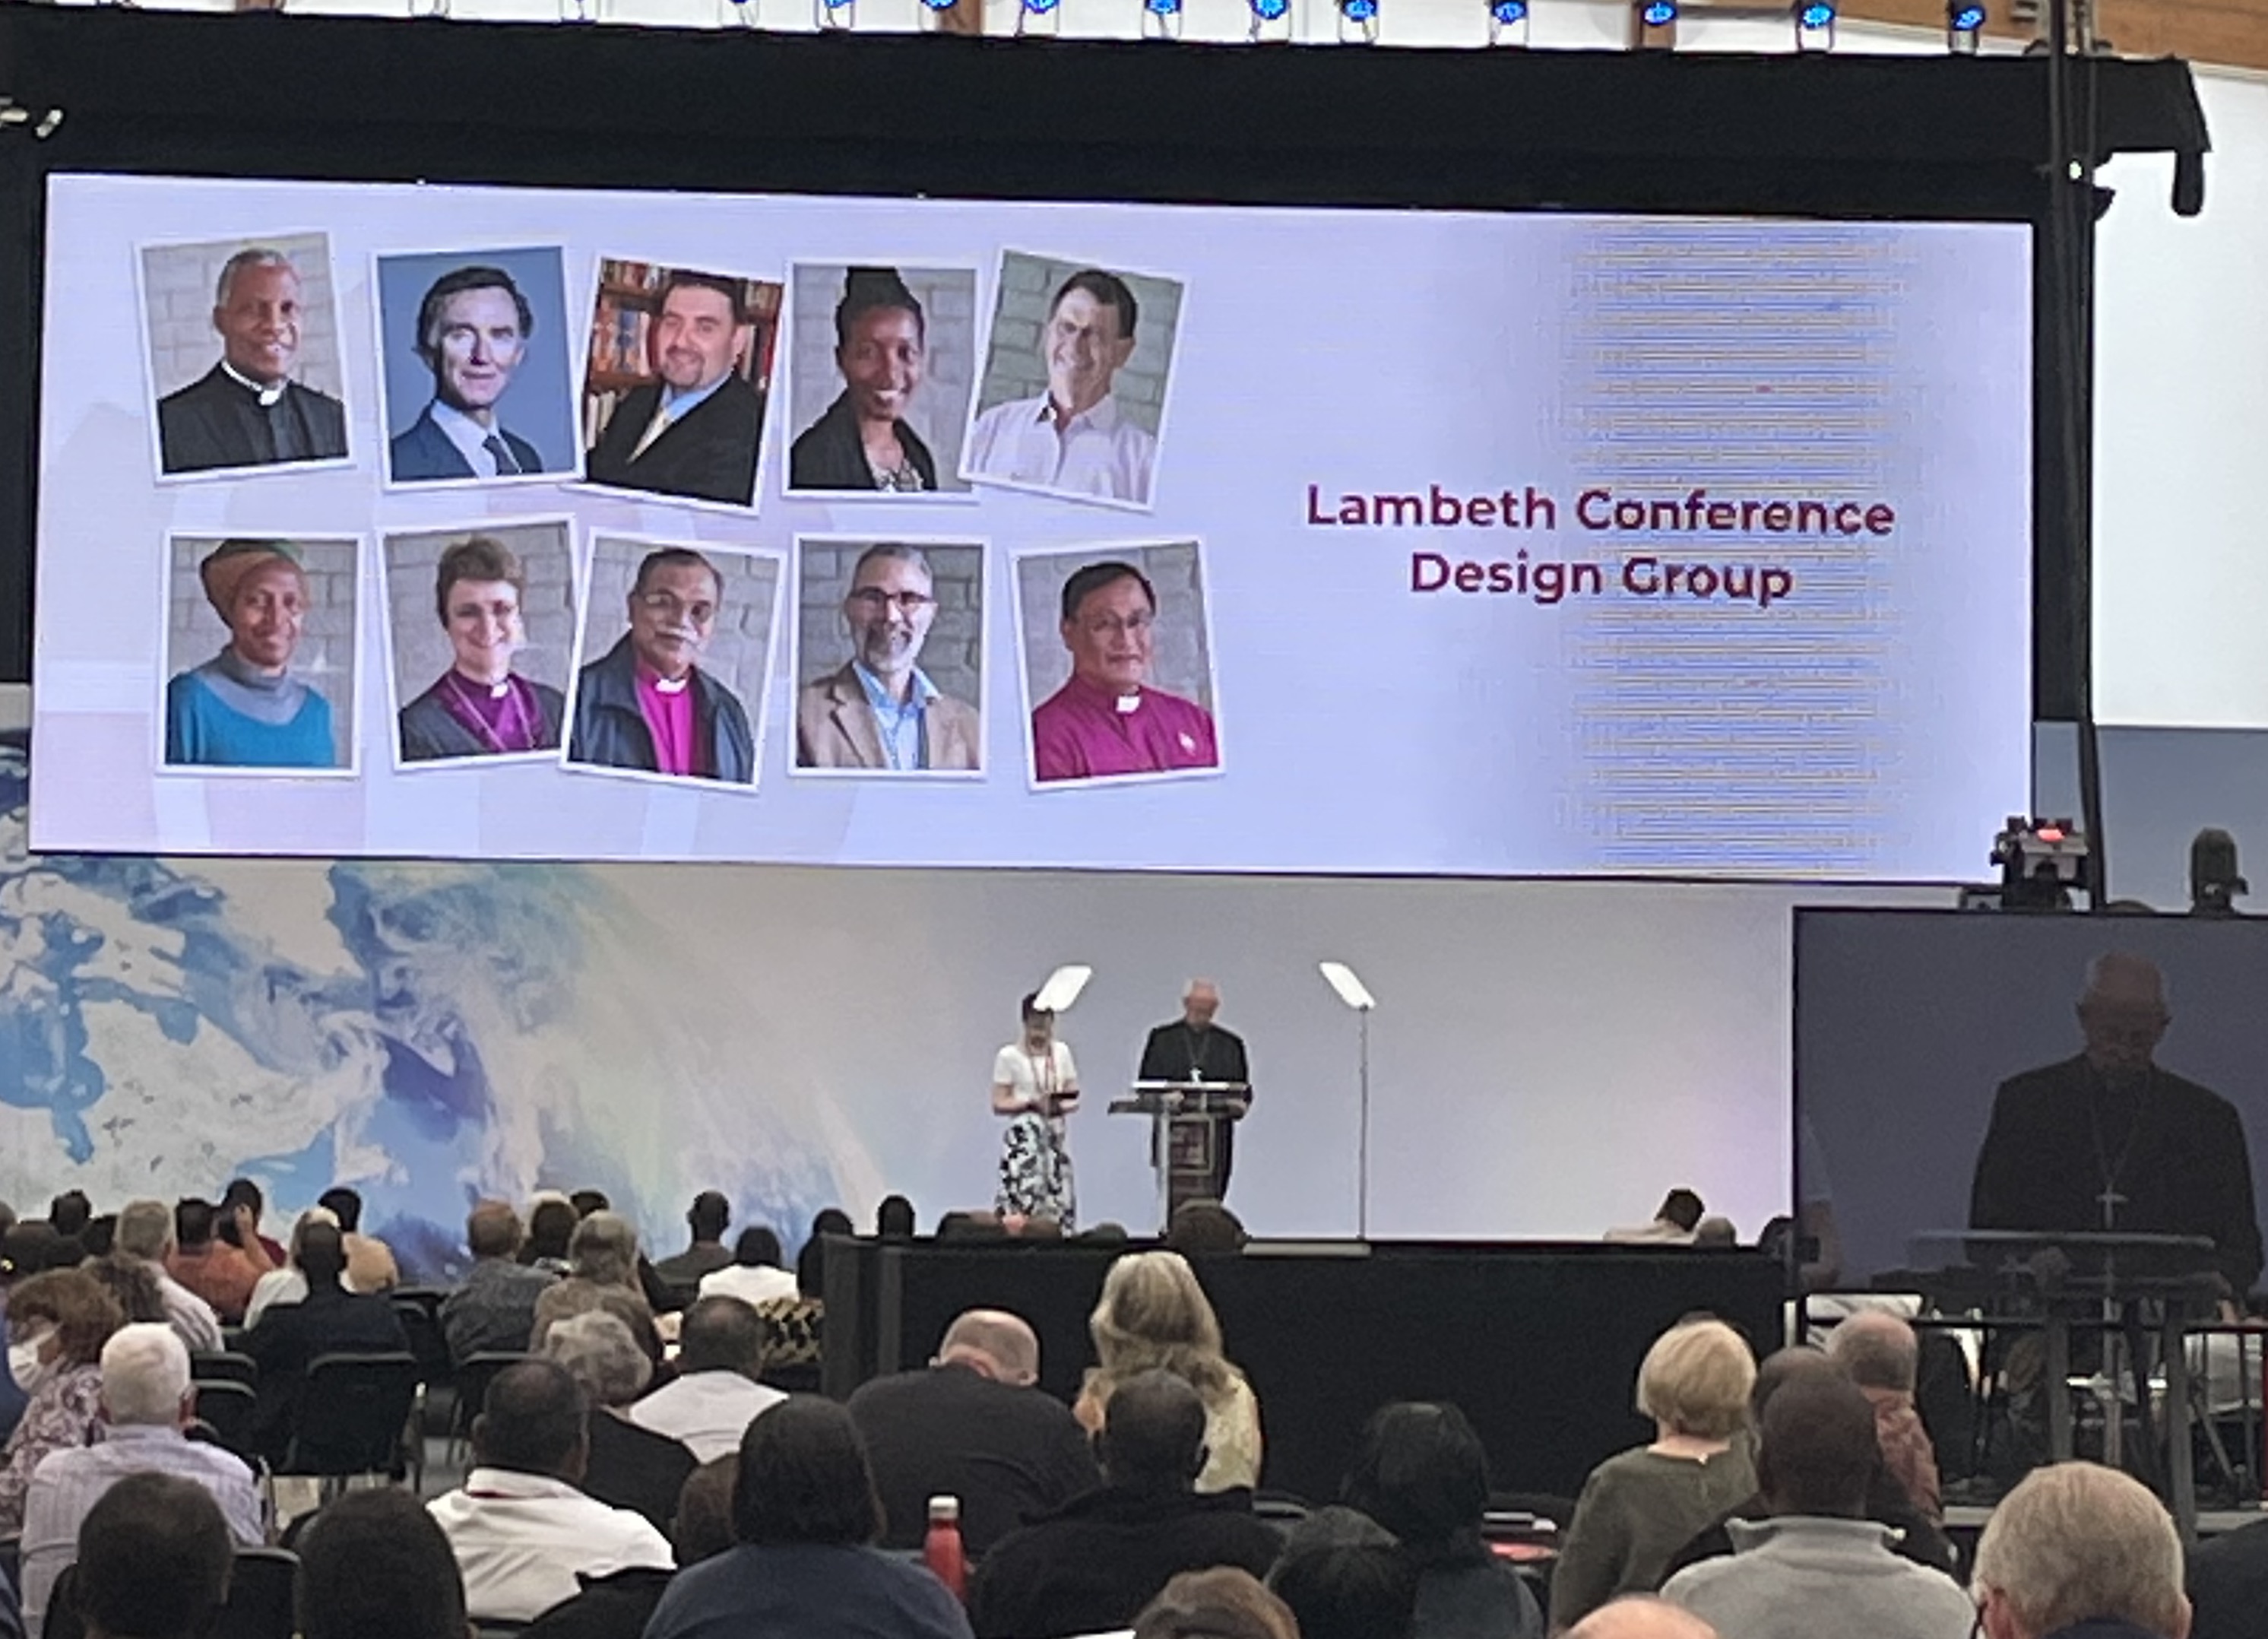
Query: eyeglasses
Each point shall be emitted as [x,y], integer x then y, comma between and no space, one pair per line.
[873,601]
[1116,625]
[671,606]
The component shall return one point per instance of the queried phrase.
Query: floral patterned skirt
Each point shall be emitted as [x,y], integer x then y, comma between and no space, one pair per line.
[1035,1177]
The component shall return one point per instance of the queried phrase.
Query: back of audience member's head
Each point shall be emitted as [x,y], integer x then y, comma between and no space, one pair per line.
[345,1205]
[1153,1436]
[992,1343]
[604,1249]
[154,1557]
[82,1314]
[32,1247]
[2077,1542]
[804,1478]
[1880,1351]
[588,1201]
[145,1230]
[532,1422]
[69,1213]
[492,1229]
[893,1219]
[375,1565]
[1816,1450]
[132,1285]
[320,1251]
[550,1226]
[1422,1472]
[1199,1227]
[146,1376]
[704,1526]
[99,1236]
[595,1348]
[757,1247]
[1641,1616]
[1107,1233]
[1716,1231]
[306,1220]
[1153,1312]
[722,1334]
[1681,1208]
[1345,1577]
[1223,1603]
[243,1192]
[7,1217]
[1798,1362]
[811,1262]
[709,1216]
[194,1222]
[1695,1380]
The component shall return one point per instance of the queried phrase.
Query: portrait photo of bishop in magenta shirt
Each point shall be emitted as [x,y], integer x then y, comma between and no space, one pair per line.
[1106,721]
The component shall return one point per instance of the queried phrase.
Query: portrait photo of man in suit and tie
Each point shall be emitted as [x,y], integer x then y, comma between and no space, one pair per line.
[907,697]
[272,398]
[677,381]
[477,344]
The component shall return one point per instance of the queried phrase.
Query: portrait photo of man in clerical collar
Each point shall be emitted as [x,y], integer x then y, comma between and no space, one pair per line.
[1115,647]
[242,339]
[678,380]
[1072,401]
[674,660]
[473,359]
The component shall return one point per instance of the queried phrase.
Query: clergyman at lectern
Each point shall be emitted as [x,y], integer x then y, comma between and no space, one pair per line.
[1193,1048]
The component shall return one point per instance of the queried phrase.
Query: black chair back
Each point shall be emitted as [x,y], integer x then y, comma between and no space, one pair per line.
[421,1321]
[259,1600]
[351,1413]
[225,1368]
[229,1409]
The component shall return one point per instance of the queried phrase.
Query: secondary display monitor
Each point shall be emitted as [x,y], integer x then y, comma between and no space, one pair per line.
[491,523]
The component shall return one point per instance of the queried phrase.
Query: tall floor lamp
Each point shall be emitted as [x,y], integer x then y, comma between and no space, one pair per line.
[1356,994]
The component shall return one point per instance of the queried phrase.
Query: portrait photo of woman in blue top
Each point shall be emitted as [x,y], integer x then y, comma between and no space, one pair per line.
[243,708]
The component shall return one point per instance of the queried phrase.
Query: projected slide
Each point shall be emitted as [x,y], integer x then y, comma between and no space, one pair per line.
[485,523]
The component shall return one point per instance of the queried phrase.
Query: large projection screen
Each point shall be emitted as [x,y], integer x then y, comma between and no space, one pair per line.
[1442,543]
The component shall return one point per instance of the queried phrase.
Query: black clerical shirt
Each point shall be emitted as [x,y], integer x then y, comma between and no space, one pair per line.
[2171,1154]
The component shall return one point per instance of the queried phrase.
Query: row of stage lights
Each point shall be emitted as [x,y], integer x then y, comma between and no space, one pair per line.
[1653,23]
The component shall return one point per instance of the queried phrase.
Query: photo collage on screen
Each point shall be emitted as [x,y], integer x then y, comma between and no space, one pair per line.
[650,653]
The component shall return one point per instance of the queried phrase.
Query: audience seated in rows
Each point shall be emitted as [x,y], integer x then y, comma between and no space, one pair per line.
[1154,1316]
[522,1532]
[373,1565]
[804,1516]
[627,1466]
[58,1322]
[1422,1473]
[1913,1535]
[1224,1603]
[291,1337]
[620,1605]
[154,1558]
[144,1233]
[755,1276]
[1641,1616]
[222,1274]
[1883,1357]
[1818,1564]
[974,1425]
[493,1310]
[602,1261]
[1640,1506]
[1096,1562]
[1344,1576]
[708,1218]
[2077,1551]
[147,1403]
[718,1392]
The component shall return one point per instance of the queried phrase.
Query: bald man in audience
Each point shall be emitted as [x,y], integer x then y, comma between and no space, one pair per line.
[1641,1616]
[1881,1353]
[2078,1551]
[973,1425]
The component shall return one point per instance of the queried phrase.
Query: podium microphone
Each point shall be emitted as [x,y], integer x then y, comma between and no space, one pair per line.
[2213,882]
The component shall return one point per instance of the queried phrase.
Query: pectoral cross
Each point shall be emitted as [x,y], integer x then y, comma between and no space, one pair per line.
[2111,1201]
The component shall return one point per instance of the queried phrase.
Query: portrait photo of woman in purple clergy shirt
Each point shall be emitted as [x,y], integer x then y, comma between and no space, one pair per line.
[1123,685]
[483,593]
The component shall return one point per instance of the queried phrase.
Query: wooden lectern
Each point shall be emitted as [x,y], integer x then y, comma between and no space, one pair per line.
[1187,1122]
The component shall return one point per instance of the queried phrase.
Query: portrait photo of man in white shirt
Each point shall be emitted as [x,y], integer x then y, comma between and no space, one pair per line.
[1103,351]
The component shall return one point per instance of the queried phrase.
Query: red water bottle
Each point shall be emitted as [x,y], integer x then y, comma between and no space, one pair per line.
[941,1549]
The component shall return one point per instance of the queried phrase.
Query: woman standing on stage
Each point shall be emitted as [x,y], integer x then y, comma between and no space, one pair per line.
[1036,1085]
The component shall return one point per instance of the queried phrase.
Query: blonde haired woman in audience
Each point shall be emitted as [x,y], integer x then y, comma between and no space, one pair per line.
[1154,1317]
[1639,1507]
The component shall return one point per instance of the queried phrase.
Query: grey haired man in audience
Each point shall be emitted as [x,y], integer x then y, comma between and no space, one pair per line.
[145,1233]
[2078,1551]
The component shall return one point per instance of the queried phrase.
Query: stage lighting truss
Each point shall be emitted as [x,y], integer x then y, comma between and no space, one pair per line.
[1161,20]
[1508,22]
[1359,22]
[1815,24]
[1653,25]
[1272,21]
[1964,22]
